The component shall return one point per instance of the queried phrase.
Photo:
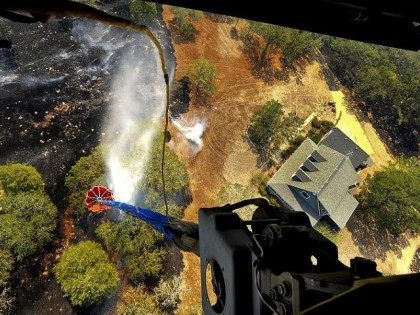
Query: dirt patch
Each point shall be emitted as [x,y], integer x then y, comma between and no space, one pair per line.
[397,254]
[240,164]
[226,155]
[304,92]
[381,155]
[400,262]
[347,248]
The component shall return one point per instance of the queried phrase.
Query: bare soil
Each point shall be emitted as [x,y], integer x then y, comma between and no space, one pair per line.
[226,155]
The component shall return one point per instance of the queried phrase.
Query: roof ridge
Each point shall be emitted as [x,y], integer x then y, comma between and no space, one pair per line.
[332,174]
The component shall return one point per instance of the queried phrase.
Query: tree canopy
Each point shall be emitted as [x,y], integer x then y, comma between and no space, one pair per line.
[88,171]
[293,43]
[297,43]
[264,124]
[27,222]
[17,178]
[392,196]
[386,83]
[136,244]
[269,127]
[183,21]
[202,75]
[85,274]
[176,179]
[142,11]
[272,35]
[27,219]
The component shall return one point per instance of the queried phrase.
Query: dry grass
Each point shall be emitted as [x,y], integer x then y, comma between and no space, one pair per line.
[226,155]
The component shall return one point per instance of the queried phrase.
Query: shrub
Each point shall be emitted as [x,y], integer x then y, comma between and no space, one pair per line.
[202,76]
[88,171]
[137,301]
[167,294]
[85,274]
[183,21]
[141,11]
[27,221]
[328,233]
[16,178]
[136,243]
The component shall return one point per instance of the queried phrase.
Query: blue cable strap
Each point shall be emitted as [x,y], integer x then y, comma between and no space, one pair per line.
[155,219]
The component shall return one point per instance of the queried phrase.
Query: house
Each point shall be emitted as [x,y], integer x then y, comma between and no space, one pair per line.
[320,179]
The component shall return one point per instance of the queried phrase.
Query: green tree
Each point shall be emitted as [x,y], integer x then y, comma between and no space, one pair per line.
[141,11]
[6,263]
[319,129]
[17,178]
[202,75]
[176,178]
[293,43]
[136,243]
[85,274]
[265,123]
[27,222]
[146,265]
[174,210]
[183,21]
[88,171]
[272,35]
[269,127]
[392,196]
[286,132]
[137,301]
[386,83]
[298,43]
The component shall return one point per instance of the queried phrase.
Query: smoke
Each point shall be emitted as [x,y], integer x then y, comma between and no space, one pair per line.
[138,102]
[192,131]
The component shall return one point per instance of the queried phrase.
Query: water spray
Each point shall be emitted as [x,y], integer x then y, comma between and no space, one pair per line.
[43,10]
[193,132]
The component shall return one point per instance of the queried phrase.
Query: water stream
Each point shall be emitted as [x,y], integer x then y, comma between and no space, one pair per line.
[66,86]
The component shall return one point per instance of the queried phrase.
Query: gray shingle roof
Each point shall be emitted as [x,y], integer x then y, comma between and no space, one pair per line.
[338,141]
[316,179]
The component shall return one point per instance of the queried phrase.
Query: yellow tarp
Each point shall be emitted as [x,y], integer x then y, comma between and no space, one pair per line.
[348,123]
